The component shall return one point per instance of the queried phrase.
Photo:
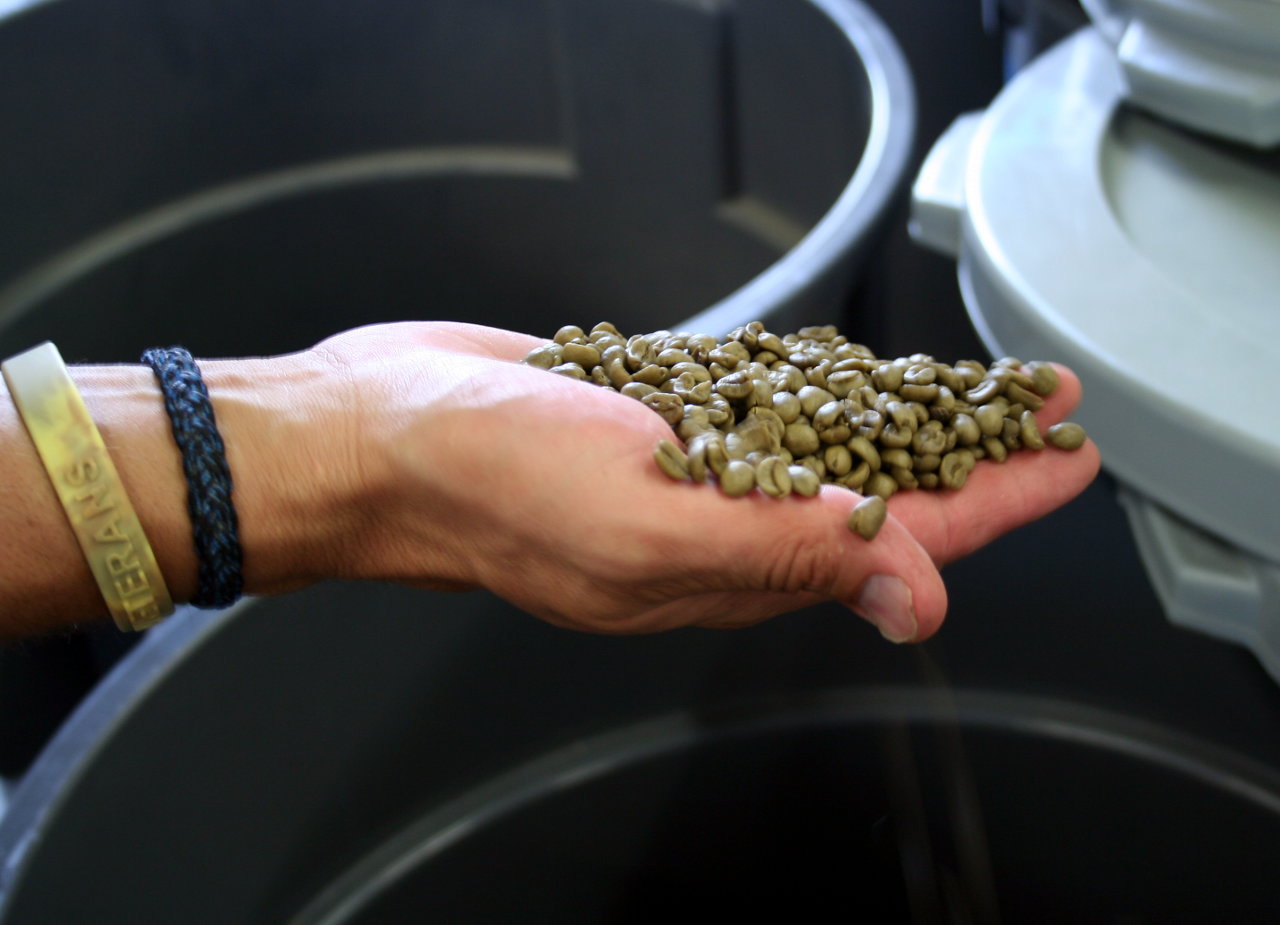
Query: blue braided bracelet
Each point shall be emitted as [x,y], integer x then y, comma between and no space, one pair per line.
[204,462]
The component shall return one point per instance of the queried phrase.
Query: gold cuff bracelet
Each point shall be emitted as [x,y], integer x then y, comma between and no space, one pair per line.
[89,487]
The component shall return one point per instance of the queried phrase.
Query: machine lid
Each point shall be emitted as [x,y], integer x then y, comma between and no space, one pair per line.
[1146,258]
[1211,65]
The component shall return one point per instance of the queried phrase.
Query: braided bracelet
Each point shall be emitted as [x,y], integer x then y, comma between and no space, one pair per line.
[204,462]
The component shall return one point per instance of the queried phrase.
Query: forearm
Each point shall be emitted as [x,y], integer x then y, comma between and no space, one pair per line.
[286,488]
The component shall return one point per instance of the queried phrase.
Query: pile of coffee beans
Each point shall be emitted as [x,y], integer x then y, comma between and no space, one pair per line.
[786,413]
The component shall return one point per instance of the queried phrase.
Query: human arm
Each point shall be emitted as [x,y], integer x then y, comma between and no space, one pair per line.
[425,453]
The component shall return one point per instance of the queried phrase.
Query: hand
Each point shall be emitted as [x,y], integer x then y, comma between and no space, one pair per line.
[483,472]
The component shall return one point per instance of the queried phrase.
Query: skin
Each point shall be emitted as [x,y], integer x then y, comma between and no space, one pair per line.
[425,453]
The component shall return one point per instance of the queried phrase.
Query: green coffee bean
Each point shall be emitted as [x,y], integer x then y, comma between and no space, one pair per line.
[568,334]
[1043,377]
[672,460]
[880,483]
[837,459]
[966,429]
[952,472]
[1030,431]
[584,355]
[637,390]
[1017,393]
[905,478]
[1066,436]
[868,516]
[984,391]
[735,386]
[651,374]
[804,481]
[738,478]
[895,456]
[572,370]
[801,439]
[812,398]
[990,419]
[786,406]
[772,477]
[668,406]
[996,450]
[670,356]
[546,356]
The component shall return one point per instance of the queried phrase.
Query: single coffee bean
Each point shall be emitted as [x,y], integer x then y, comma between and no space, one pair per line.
[927,462]
[801,439]
[1066,436]
[735,386]
[546,356]
[895,456]
[737,479]
[570,334]
[672,460]
[572,370]
[772,477]
[996,450]
[1044,377]
[1030,431]
[637,390]
[838,459]
[984,391]
[952,473]
[804,481]
[966,429]
[670,356]
[584,355]
[868,516]
[668,406]
[990,418]
[1011,434]
[904,477]
[786,406]
[1018,393]
[651,374]
[880,483]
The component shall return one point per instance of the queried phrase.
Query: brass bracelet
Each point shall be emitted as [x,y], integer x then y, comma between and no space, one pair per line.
[89,487]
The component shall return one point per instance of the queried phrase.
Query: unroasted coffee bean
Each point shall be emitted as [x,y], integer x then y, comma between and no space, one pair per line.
[772,477]
[572,370]
[1066,436]
[868,516]
[570,334]
[1044,377]
[804,481]
[952,473]
[1030,432]
[738,478]
[584,355]
[880,483]
[672,460]
[546,356]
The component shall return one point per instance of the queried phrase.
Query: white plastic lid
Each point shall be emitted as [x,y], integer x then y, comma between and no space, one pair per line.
[1148,259]
[1212,65]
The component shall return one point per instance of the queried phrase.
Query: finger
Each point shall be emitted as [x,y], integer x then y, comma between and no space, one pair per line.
[803,547]
[480,340]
